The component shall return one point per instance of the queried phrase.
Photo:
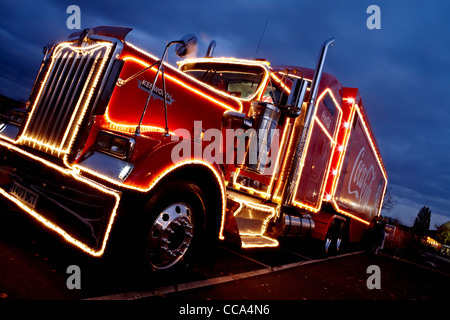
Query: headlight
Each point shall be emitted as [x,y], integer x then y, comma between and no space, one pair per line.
[115,145]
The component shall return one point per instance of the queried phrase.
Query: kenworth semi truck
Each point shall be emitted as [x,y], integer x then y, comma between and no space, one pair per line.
[118,150]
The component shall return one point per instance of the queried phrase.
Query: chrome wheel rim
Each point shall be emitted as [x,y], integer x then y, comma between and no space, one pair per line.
[170,236]
[338,243]
[327,243]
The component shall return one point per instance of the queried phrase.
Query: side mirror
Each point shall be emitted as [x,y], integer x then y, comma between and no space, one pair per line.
[235,120]
[296,97]
[186,45]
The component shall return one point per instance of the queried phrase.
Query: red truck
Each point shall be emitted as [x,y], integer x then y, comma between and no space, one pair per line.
[118,150]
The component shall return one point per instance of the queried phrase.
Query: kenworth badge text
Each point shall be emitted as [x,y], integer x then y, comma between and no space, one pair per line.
[91,157]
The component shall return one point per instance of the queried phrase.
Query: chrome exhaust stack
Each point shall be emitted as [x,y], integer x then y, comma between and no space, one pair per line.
[294,224]
[210,50]
[265,117]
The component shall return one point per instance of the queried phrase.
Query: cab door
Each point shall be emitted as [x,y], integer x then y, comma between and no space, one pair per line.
[316,161]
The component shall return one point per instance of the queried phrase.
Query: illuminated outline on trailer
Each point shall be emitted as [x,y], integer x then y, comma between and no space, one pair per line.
[355,110]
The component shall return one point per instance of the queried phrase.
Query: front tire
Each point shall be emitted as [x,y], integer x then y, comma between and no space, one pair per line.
[173,227]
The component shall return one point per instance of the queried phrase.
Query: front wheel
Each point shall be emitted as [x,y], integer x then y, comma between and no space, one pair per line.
[170,236]
[174,226]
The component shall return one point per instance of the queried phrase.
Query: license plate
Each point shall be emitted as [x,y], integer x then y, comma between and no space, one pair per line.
[24,194]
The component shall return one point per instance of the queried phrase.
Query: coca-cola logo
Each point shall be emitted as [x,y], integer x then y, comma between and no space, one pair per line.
[361,179]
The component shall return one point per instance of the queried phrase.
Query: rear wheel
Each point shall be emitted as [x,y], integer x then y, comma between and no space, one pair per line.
[328,240]
[334,238]
[340,236]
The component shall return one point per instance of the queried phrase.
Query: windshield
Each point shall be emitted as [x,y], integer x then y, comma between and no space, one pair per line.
[237,80]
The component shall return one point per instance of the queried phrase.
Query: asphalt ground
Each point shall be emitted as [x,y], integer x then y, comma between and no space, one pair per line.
[33,268]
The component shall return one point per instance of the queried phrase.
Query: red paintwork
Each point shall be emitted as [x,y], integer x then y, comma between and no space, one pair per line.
[186,108]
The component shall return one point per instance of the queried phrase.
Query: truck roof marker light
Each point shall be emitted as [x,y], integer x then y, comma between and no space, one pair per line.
[192,89]
[349,100]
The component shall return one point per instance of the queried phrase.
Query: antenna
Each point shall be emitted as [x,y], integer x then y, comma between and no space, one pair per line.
[260,39]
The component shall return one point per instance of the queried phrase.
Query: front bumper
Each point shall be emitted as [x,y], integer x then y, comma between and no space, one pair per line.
[79,209]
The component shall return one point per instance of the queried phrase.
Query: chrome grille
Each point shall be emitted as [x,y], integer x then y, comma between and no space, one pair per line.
[66,94]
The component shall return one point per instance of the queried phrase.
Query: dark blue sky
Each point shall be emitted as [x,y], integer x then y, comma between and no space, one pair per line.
[402,70]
